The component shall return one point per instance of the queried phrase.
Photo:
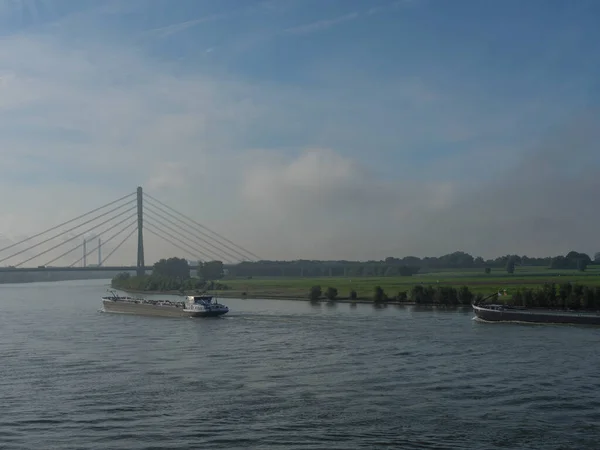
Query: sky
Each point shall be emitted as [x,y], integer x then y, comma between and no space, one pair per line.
[309,129]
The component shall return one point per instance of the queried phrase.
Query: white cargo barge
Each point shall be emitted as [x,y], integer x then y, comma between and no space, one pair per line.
[193,306]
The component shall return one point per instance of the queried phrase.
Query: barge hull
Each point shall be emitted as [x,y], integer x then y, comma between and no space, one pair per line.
[144,309]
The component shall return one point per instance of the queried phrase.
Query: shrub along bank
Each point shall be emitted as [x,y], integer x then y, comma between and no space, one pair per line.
[550,295]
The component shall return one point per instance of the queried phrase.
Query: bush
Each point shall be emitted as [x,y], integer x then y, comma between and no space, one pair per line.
[379,295]
[315,293]
[422,295]
[510,265]
[549,295]
[465,296]
[331,293]
[156,282]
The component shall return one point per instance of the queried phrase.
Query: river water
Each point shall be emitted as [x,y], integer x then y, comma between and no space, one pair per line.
[287,375]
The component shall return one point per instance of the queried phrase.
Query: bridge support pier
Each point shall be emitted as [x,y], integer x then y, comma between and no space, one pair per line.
[140,250]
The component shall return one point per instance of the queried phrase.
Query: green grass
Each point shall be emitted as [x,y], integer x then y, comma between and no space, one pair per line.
[476,280]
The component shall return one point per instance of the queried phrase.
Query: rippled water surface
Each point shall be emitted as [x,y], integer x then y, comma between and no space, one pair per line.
[287,375]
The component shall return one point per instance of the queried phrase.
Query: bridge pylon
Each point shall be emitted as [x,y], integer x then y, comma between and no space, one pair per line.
[140,266]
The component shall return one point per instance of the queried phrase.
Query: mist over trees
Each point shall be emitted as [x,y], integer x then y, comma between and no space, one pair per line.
[180,268]
[406,266]
[173,274]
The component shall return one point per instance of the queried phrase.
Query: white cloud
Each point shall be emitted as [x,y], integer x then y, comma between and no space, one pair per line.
[322,204]
[326,204]
[390,6]
[123,108]
[83,125]
[84,128]
[169,175]
[182,26]
[323,24]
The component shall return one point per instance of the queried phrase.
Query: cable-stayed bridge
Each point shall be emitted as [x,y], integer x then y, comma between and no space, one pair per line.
[102,231]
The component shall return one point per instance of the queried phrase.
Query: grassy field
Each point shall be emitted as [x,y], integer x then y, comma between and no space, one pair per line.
[476,280]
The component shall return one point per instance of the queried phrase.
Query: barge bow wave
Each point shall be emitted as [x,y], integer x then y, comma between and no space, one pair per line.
[503,313]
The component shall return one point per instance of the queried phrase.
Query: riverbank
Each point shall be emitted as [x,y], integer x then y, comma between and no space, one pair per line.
[572,290]
[241,295]
[364,286]
[342,300]
[221,294]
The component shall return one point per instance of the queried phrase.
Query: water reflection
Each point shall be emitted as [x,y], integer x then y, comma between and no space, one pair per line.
[449,308]
[315,304]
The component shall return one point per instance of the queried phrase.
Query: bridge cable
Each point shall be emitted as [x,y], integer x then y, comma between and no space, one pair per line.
[197,231]
[172,243]
[247,252]
[244,255]
[212,252]
[183,242]
[82,244]
[235,256]
[71,229]
[74,237]
[66,223]
[106,241]
[119,245]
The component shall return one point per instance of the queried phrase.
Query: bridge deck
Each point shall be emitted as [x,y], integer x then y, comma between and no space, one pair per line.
[78,269]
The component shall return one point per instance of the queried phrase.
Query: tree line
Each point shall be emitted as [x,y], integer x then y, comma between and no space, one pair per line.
[441,295]
[549,295]
[405,266]
[33,277]
[173,274]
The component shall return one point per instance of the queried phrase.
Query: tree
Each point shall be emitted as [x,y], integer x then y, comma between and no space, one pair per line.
[379,295]
[581,265]
[408,271]
[123,276]
[560,262]
[597,257]
[573,255]
[510,265]
[391,271]
[315,293]
[211,270]
[172,268]
[465,296]
[331,293]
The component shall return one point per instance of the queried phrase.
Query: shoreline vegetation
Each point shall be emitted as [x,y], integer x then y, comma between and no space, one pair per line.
[549,296]
[524,286]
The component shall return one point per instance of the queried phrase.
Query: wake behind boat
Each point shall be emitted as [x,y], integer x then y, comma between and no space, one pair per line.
[193,306]
[505,313]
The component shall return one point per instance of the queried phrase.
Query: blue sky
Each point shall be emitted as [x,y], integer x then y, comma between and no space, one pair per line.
[277,112]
